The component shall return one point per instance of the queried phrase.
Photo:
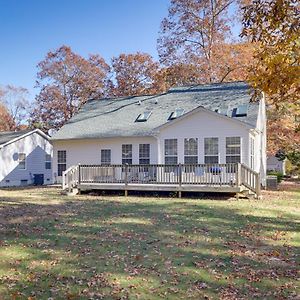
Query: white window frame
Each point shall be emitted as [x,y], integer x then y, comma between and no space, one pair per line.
[124,154]
[232,145]
[176,114]
[144,154]
[22,161]
[48,161]
[211,154]
[61,162]
[144,116]
[190,153]
[171,152]
[103,158]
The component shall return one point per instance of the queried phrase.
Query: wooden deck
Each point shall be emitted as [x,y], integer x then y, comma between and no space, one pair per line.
[159,187]
[220,178]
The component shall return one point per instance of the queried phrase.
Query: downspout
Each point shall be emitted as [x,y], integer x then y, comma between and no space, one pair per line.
[263,146]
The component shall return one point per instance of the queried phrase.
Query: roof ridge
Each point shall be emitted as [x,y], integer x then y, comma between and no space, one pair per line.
[160,94]
[208,84]
[125,97]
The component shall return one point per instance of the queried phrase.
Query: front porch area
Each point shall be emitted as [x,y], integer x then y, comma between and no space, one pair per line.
[223,178]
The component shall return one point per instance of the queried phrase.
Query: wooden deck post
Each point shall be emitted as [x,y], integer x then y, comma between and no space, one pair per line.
[238,175]
[79,174]
[258,187]
[238,179]
[126,180]
[179,180]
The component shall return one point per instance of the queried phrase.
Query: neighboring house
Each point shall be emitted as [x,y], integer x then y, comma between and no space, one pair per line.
[203,124]
[274,164]
[25,158]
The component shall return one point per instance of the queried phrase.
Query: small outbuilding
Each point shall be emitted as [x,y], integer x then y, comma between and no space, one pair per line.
[276,165]
[25,158]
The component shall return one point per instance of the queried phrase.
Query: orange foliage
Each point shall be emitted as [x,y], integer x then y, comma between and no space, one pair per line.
[67,81]
[6,121]
[136,74]
[196,35]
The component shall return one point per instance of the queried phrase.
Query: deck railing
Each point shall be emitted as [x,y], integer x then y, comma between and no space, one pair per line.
[70,177]
[250,179]
[233,174]
[215,174]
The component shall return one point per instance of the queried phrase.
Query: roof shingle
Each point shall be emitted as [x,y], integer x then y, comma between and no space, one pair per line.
[7,136]
[116,117]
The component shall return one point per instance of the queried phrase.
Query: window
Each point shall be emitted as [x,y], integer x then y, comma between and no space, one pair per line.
[241,110]
[211,150]
[191,151]
[223,111]
[252,153]
[144,154]
[48,162]
[127,154]
[22,161]
[233,149]
[143,117]
[61,161]
[23,181]
[177,113]
[105,156]
[171,151]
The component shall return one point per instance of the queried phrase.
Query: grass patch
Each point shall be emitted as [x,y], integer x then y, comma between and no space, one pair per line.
[104,247]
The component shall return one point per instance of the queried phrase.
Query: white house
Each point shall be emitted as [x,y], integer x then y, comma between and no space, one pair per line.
[203,124]
[25,158]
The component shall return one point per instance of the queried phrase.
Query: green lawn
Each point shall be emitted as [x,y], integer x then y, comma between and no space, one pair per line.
[111,247]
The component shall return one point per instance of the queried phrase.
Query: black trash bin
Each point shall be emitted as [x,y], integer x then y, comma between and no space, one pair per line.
[38,179]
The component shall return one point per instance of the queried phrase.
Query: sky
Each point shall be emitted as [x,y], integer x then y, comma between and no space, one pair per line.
[31,28]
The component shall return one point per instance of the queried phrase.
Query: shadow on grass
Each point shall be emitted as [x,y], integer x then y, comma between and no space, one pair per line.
[144,248]
[162,194]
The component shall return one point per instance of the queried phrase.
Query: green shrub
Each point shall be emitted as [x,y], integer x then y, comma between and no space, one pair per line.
[279,175]
[292,169]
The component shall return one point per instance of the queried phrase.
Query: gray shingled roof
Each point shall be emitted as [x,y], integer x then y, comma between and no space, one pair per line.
[116,117]
[7,136]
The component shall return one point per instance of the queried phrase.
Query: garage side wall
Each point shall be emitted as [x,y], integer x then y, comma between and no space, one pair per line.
[35,147]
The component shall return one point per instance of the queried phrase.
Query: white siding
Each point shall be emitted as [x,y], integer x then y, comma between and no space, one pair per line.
[201,125]
[88,151]
[35,147]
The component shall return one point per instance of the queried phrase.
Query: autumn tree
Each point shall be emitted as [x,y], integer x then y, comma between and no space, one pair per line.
[196,36]
[274,25]
[66,81]
[179,74]
[283,131]
[15,100]
[136,74]
[6,121]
